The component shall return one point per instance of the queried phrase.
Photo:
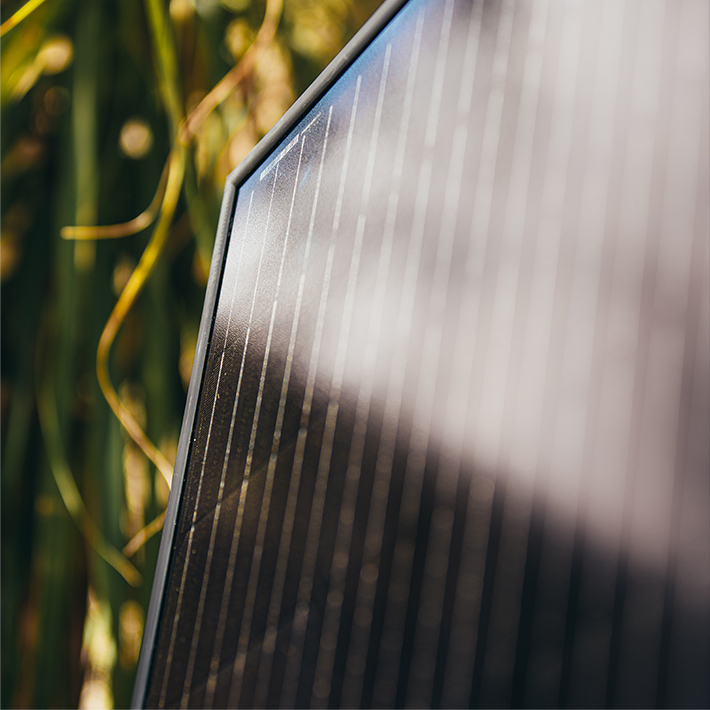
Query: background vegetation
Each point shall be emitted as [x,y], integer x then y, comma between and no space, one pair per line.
[100,98]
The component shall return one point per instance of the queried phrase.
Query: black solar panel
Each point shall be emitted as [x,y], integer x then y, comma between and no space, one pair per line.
[446,441]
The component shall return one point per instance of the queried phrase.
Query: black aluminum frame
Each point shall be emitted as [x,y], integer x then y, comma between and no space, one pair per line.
[260,154]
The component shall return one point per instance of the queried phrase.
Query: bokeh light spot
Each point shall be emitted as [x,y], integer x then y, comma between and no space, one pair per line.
[136,138]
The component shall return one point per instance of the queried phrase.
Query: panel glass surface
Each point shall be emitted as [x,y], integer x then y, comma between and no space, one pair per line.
[451,446]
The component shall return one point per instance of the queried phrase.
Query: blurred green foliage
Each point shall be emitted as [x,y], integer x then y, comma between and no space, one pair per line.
[93,94]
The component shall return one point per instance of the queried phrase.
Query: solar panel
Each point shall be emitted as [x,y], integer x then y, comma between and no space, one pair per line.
[446,441]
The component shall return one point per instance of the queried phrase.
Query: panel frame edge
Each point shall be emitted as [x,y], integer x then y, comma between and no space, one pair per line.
[184,444]
[325,80]
[337,67]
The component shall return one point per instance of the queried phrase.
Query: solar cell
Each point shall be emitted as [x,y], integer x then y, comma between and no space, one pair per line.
[446,436]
